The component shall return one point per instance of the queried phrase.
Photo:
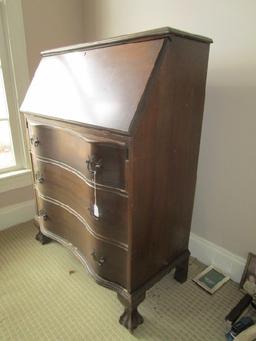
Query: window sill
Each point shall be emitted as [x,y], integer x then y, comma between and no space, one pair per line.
[15,179]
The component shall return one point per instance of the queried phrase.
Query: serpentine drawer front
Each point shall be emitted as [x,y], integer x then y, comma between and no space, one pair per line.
[68,188]
[113,132]
[104,259]
[80,153]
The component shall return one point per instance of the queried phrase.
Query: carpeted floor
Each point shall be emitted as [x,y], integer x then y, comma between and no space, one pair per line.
[41,300]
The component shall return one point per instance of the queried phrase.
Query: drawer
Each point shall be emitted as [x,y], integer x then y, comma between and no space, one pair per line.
[61,184]
[105,260]
[85,155]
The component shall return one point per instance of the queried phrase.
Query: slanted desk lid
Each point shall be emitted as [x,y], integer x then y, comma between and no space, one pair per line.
[99,87]
[98,84]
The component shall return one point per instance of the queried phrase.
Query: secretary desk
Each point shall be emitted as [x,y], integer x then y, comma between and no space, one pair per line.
[113,132]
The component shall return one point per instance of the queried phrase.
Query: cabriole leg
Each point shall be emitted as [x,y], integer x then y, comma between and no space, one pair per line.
[42,238]
[39,236]
[131,318]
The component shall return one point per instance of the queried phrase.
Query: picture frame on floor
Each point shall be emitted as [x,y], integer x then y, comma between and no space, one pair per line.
[211,279]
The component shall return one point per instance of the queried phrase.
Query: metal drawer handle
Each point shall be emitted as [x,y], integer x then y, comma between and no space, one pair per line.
[34,141]
[43,214]
[92,164]
[39,178]
[99,260]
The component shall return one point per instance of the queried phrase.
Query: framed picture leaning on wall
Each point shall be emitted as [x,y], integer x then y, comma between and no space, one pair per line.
[248,281]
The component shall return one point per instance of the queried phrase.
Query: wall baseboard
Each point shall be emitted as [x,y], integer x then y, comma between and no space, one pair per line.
[212,254]
[16,214]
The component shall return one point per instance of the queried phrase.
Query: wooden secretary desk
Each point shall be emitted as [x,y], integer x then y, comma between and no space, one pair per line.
[114,131]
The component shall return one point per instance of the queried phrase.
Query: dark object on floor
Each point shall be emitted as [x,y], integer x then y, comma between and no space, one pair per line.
[253,303]
[248,334]
[234,314]
[122,121]
[241,325]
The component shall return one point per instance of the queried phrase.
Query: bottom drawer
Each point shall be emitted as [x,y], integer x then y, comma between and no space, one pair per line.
[106,260]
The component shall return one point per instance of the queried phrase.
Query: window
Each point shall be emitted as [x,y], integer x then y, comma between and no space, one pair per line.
[7,158]
[13,84]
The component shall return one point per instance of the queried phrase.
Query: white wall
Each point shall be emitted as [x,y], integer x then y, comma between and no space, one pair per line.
[225,203]
[50,24]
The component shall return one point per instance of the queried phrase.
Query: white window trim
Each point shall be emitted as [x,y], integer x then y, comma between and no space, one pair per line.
[15,179]
[16,82]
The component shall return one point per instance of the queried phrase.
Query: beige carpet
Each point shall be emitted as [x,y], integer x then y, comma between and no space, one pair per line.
[41,300]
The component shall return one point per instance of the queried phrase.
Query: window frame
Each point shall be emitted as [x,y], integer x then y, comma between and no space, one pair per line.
[16,80]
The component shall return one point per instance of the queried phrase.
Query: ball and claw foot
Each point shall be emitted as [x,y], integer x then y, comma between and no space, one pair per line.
[131,319]
[42,238]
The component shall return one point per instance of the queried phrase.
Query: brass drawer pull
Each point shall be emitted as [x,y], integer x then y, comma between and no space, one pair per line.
[92,164]
[98,260]
[34,141]
[39,178]
[43,214]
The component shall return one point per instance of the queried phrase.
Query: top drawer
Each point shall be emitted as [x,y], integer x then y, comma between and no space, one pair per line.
[82,154]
